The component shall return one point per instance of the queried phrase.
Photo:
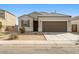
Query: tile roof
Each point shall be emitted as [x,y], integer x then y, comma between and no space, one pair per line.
[54,14]
[45,14]
[75,18]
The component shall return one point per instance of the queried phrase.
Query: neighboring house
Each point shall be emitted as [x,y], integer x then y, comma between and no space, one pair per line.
[7,19]
[75,24]
[45,22]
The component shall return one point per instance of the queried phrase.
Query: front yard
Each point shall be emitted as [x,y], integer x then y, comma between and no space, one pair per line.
[26,36]
[54,36]
[31,36]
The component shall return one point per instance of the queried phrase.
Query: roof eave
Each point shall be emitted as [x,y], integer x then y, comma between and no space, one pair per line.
[53,16]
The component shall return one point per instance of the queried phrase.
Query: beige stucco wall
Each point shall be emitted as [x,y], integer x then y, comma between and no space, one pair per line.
[50,18]
[3,24]
[76,22]
[30,28]
[34,15]
[10,19]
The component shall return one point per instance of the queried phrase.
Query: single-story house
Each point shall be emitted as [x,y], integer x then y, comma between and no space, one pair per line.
[45,22]
[7,19]
[75,24]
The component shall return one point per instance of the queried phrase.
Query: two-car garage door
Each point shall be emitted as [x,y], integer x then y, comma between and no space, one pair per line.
[54,26]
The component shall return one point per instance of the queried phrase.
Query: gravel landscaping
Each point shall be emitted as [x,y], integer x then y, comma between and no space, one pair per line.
[26,36]
[31,36]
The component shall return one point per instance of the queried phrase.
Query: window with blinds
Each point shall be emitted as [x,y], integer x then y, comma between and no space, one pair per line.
[25,23]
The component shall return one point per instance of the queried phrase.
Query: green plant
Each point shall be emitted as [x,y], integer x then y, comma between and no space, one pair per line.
[0,25]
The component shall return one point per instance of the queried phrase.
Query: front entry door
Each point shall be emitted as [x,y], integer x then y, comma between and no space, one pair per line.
[74,28]
[35,25]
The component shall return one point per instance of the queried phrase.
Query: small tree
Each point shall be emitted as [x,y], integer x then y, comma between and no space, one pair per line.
[0,25]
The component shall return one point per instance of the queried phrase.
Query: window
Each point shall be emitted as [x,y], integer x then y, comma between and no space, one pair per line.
[25,23]
[2,14]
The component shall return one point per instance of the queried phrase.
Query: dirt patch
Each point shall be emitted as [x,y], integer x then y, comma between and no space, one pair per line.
[31,36]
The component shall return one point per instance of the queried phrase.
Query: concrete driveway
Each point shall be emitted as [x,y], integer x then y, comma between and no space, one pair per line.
[62,37]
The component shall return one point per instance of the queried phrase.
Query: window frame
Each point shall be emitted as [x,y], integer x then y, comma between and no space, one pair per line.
[25,23]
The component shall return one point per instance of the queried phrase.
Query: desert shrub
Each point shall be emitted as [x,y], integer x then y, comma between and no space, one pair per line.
[22,30]
[13,36]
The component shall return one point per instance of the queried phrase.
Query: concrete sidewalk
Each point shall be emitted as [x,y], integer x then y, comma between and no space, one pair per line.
[36,42]
[34,48]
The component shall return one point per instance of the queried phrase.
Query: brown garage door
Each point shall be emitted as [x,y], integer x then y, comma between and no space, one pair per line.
[54,26]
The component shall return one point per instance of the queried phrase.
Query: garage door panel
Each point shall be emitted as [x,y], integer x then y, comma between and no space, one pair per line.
[54,26]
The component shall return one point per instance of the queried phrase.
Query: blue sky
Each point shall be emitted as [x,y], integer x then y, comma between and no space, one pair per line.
[20,9]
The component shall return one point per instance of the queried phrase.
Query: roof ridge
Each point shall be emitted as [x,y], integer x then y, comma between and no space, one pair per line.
[61,14]
[7,11]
